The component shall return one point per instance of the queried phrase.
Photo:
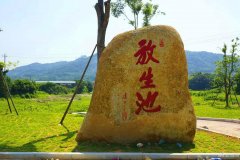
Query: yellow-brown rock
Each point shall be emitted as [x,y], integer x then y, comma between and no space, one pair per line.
[141,90]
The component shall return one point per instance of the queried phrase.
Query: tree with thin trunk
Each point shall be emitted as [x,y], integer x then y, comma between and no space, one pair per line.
[103,11]
[148,11]
[226,70]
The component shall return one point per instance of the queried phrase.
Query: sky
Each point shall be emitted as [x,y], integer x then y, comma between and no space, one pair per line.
[47,31]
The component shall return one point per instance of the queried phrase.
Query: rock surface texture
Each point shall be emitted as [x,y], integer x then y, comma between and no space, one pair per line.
[141,90]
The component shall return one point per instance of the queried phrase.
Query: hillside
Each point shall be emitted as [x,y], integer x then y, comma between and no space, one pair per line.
[202,61]
[197,62]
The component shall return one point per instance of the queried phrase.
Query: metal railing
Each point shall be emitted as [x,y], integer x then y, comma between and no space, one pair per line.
[115,156]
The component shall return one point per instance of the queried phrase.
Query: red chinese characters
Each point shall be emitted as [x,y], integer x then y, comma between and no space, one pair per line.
[147,78]
[124,112]
[147,104]
[161,44]
[145,54]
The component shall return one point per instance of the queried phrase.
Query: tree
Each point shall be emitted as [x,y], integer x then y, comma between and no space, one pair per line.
[3,89]
[200,81]
[148,9]
[2,65]
[225,73]
[89,86]
[24,88]
[103,19]
[85,87]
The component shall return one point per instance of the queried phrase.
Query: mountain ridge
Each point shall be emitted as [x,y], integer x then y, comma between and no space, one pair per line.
[197,62]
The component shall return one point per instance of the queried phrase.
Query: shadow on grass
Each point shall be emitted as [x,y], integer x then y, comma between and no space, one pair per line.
[89,146]
[31,146]
[222,107]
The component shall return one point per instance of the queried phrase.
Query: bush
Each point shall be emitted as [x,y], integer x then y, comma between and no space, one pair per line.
[52,88]
[85,87]
[89,86]
[200,81]
[24,88]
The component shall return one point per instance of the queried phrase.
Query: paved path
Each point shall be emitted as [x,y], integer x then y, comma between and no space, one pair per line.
[227,128]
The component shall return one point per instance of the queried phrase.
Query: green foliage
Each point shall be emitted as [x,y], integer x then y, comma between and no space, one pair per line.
[85,87]
[148,9]
[24,88]
[2,65]
[117,8]
[8,65]
[52,88]
[226,70]
[237,89]
[89,86]
[200,81]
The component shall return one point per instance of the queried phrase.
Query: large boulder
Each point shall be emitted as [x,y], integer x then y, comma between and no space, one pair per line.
[141,90]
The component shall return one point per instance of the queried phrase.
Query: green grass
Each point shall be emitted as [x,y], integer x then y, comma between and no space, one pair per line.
[38,132]
[36,129]
[203,101]
[49,103]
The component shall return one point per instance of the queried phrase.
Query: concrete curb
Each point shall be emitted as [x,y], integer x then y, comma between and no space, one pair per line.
[114,156]
[219,119]
[207,130]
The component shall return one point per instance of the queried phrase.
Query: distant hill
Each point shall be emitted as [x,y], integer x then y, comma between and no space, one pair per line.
[197,62]
[71,70]
[202,61]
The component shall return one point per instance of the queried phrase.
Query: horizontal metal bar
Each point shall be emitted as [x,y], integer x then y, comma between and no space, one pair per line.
[114,156]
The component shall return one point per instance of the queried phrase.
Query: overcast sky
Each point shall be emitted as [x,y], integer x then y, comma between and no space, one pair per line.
[63,30]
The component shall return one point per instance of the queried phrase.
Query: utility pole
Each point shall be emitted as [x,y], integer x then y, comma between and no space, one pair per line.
[4,56]
[5,61]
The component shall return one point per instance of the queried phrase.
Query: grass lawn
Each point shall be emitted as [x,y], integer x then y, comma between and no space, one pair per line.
[37,129]
[203,105]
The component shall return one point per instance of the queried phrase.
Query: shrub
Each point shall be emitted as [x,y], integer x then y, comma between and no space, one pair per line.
[89,86]
[52,88]
[85,87]
[24,88]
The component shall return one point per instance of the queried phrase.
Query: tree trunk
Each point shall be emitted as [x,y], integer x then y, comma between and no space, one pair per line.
[226,83]
[227,99]
[103,18]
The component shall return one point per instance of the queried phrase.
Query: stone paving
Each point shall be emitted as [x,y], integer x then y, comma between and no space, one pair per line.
[227,128]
